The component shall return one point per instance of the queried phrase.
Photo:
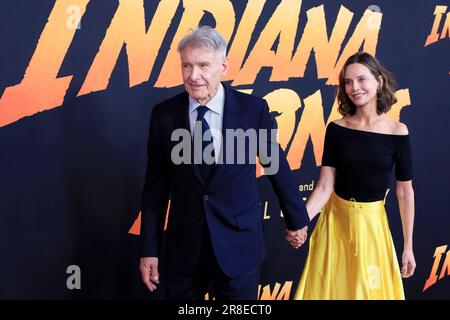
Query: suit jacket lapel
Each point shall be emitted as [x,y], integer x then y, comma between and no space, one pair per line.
[231,120]
[184,108]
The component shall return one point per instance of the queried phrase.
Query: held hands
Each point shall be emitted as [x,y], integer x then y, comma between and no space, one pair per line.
[149,272]
[297,238]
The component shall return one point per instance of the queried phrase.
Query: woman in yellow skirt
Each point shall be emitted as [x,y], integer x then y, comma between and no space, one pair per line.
[351,254]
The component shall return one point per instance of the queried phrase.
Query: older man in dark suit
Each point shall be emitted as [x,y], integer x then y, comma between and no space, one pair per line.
[214,235]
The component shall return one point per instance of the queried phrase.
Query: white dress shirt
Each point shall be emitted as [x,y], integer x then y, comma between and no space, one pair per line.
[213,116]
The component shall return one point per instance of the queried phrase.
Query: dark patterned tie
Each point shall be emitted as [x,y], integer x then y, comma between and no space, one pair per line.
[205,168]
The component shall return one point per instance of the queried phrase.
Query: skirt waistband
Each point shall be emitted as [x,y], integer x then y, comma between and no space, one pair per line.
[359,205]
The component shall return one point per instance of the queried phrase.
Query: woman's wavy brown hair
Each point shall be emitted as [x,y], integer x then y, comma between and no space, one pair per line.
[385,96]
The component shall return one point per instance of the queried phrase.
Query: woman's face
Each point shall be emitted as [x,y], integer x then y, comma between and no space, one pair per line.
[361,85]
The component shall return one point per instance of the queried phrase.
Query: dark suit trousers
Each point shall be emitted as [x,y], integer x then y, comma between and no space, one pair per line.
[207,277]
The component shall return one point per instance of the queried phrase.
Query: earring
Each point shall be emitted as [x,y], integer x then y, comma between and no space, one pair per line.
[378,94]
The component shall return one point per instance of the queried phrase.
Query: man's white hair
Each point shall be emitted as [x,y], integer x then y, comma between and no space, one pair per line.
[204,37]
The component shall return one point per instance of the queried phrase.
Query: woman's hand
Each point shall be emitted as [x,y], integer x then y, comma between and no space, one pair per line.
[408,263]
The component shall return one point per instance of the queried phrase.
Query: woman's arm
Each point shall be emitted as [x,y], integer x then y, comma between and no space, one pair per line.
[405,196]
[322,191]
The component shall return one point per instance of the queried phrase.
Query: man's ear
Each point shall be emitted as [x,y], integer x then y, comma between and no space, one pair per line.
[224,66]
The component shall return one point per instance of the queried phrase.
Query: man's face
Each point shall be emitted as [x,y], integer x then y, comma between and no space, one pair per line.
[202,69]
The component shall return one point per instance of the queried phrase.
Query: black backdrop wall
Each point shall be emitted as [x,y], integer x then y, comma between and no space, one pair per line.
[78,82]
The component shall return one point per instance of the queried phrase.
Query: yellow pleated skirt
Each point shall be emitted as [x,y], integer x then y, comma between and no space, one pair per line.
[351,255]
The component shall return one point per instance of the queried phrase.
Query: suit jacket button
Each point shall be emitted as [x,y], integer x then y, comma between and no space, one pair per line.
[205,197]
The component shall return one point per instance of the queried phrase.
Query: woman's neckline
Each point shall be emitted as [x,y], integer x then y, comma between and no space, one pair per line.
[370,132]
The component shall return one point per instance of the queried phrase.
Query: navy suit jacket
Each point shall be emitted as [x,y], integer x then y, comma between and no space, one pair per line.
[228,201]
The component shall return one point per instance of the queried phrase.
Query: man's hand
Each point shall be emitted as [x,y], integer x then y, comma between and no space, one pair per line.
[149,272]
[297,238]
